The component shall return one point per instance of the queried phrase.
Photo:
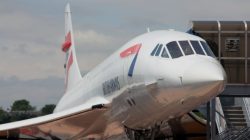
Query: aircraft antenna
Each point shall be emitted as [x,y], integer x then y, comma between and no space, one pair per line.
[148,29]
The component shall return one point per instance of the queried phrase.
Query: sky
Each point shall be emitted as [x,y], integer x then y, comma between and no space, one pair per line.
[31,34]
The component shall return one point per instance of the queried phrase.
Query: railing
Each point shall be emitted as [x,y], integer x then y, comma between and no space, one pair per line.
[232,133]
[219,117]
[246,102]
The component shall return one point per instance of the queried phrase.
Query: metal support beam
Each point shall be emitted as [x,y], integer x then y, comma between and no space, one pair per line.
[236,91]
[246,54]
[208,121]
[219,40]
[213,123]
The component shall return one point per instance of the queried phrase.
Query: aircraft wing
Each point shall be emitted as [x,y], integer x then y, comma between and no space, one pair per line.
[62,125]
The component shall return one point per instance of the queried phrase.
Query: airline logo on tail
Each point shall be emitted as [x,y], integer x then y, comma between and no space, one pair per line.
[132,50]
[66,45]
[72,72]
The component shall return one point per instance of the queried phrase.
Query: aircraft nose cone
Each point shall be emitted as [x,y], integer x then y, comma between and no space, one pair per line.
[204,73]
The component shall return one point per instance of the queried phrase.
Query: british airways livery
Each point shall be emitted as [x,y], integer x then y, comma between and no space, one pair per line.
[155,77]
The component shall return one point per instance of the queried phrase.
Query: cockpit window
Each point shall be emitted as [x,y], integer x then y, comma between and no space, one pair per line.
[207,49]
[164,53]
[197,47]
[155,49]
[186,47]
[174,49]
[158,50]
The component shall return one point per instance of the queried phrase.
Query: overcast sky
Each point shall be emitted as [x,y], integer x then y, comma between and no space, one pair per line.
[32,31]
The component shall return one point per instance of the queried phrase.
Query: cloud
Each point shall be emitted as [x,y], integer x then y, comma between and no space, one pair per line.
[39,92]
[31,34]
[92,47]
[30,61]
[92,37]
[30,46]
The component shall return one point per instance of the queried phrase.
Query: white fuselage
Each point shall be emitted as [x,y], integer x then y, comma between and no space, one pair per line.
[158,88]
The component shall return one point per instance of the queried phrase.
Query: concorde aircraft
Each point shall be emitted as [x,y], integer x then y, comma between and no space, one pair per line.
[155,77]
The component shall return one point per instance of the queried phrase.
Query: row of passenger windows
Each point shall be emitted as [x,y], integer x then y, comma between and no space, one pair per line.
[177,49]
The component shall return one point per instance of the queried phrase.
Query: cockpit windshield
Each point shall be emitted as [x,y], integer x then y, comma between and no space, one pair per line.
[197,47]
[207,49]
[165,53]
[186,47]
[174,49]
[158,50]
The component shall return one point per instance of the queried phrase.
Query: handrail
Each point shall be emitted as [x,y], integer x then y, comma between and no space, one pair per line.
[247,106]
[221,124]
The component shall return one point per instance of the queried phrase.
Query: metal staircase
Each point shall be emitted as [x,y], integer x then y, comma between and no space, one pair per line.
[235,134]
[235,116]
[236,124]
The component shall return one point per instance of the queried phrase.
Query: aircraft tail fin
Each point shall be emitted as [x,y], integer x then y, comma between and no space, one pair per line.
[72,72]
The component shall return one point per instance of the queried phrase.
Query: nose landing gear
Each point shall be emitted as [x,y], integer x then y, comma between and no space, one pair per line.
[144,134]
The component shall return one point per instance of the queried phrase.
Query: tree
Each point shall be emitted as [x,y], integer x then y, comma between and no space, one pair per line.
[1,111]
[21,110]
[4,116]
[22,105]
[48,109]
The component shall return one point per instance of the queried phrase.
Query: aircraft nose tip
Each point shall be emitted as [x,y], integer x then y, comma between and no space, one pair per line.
[204,72]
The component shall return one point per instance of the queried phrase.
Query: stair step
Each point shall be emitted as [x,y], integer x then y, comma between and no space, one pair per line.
[234,116]
[236,119]
[239,124]
[232,107]
[233,111]
[238,128]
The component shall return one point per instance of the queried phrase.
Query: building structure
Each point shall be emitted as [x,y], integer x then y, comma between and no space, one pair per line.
[230,42]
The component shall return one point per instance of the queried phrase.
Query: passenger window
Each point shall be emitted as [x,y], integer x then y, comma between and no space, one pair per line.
[174,49]
[159,50]
[197,47]
[207,49]
[186,47]
[153,52]
[164,53]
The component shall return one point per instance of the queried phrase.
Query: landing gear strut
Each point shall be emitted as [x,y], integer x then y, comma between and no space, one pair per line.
[145,134]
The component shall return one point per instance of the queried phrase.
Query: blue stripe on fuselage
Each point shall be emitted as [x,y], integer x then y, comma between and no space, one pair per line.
[132,66]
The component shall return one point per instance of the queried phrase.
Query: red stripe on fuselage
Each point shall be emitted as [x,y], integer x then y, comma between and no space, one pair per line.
[132,50]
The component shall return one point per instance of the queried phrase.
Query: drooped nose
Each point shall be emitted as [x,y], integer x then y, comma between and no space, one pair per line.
[205,72]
